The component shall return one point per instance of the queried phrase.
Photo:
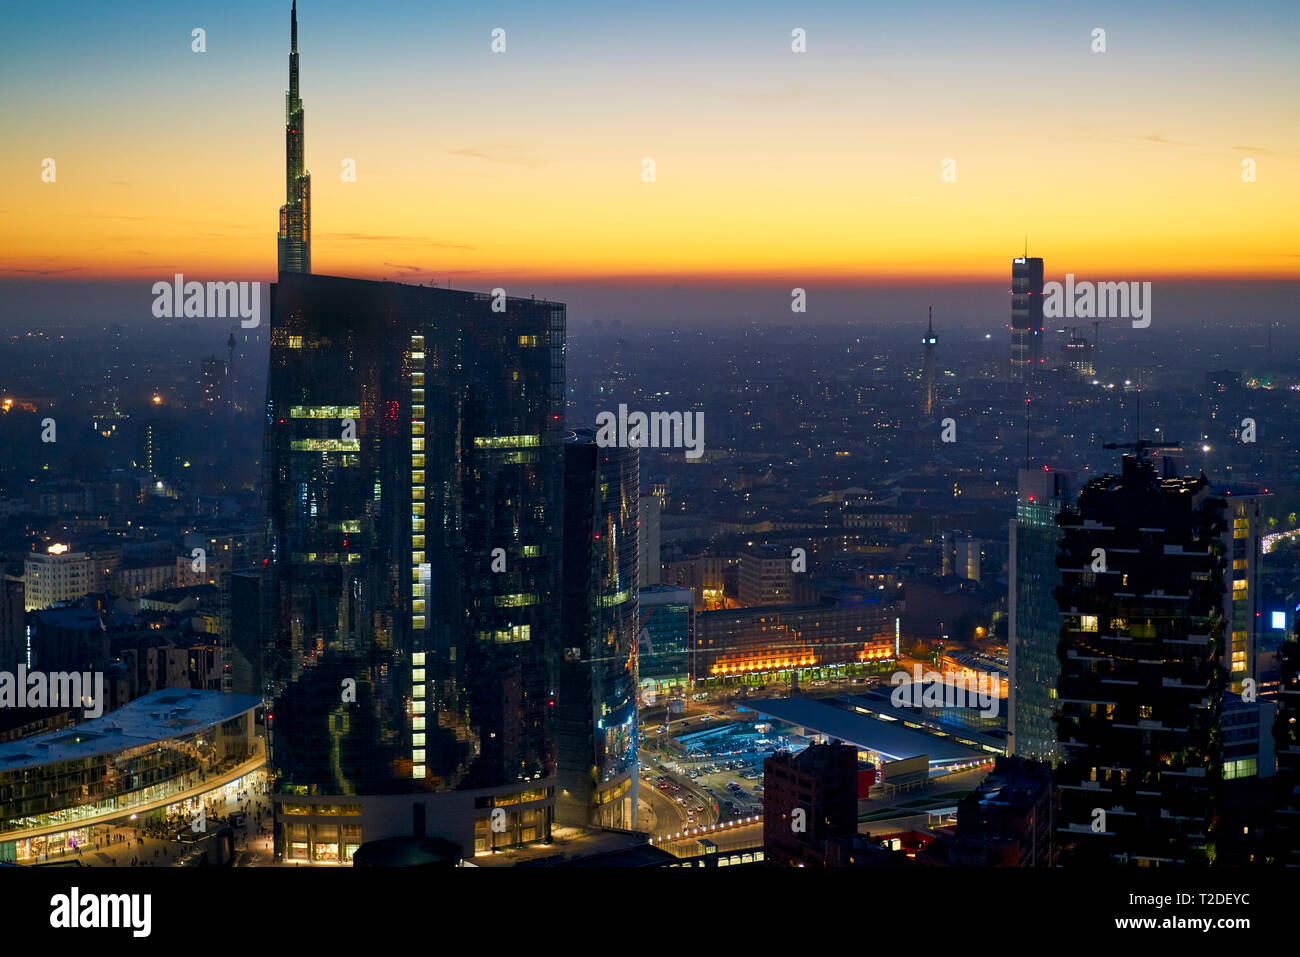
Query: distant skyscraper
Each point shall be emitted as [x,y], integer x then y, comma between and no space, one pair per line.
[295,214]
[414,470]
[158,445]
[1026,315]
[928,398]
[1076,354]
[1141,605]
[1034,624]
[596,720]
[213,382]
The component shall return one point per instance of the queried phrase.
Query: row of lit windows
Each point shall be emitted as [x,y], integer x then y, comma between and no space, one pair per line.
[324,411]
[325,445]
[507,635]
[418,690]
[345,810]
[506,441]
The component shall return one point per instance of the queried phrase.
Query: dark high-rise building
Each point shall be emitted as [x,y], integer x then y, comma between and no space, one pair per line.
[13,623]
[244,627]
[1007,820]
[928,400]
[414,470]
[294,245]
[809,799]
[1026,315]
[1076,354]
[1143,571]
[596,720]
[214,385]
[158,446]
[1033,622]
[1285,833]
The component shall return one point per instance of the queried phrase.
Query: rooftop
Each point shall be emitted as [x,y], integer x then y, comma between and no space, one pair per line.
[889,739]
[155,717]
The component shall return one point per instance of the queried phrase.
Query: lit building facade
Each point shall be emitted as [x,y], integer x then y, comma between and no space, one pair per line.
[161,752]
[56,575]
[761,643]
[1242,611]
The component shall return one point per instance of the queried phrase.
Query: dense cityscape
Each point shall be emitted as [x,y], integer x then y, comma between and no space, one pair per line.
[344,572]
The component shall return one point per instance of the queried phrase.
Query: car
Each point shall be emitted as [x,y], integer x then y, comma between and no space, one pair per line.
[699,807]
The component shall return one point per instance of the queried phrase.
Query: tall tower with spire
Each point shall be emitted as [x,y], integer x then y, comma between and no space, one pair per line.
[295,215]
[928,399]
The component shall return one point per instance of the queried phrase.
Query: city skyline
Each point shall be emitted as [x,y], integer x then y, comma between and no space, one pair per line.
[668,438]
[819,145]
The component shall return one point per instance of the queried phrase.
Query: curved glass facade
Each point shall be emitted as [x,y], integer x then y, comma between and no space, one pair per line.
[157,749]
[413,480]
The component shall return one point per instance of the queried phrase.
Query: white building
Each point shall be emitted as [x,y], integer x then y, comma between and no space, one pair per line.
[57,575]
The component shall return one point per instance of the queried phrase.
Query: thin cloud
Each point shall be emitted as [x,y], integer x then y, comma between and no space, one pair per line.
[44,272]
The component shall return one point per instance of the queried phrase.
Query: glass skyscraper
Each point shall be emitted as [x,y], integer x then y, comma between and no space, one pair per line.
[414,469]
[1034,624]
[598,676]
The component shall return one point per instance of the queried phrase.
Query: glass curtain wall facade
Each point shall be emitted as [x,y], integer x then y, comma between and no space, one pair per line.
[598,683]
[413,478]
[667,617]
[1034,624]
